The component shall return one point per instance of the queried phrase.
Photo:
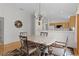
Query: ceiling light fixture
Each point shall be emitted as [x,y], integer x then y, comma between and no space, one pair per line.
[39,15]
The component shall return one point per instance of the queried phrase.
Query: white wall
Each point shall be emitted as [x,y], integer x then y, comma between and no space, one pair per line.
[11,14]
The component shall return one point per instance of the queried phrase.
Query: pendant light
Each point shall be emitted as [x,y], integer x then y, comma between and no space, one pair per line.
[39,15]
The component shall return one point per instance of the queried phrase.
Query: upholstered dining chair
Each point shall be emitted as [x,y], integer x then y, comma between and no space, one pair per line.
[44,34]
[25,46]
[43,47]
[57,48]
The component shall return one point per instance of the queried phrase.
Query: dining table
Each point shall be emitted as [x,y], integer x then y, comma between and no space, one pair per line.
[39,40]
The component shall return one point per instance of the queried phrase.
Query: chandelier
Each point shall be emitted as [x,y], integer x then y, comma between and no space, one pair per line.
[38,15]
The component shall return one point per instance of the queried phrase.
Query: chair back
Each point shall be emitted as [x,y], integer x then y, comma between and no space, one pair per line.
[59,48]
[23,39]
[44,34]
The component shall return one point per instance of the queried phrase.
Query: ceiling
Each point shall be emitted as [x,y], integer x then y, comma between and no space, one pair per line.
[59,11]
[52,11]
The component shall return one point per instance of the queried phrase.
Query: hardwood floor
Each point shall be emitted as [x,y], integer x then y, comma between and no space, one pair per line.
[1,49]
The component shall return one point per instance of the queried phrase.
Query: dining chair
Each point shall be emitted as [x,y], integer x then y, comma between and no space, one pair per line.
[44,34]
[57,48]
[43,46]
[25,46]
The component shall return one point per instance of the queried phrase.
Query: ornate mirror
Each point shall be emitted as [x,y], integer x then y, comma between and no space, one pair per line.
[18,24]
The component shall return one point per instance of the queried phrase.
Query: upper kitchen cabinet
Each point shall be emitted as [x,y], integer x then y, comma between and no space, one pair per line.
[72,21]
